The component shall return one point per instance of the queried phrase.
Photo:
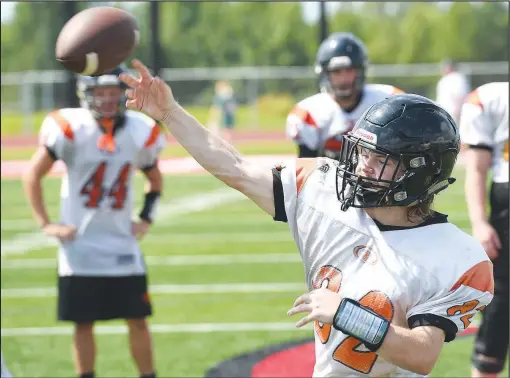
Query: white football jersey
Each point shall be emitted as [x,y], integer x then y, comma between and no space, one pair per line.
[484,122]
[319,122]
[97,190]
[5,373]
[451,90]
[402,274]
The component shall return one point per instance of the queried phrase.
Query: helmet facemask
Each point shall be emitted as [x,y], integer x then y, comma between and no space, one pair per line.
[358,190]
[103,96]
[337,64]
[106,102]
[410,179]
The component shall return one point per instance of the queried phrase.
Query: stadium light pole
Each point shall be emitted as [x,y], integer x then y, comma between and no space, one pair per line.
[69,9]
[156,56]
[323,22]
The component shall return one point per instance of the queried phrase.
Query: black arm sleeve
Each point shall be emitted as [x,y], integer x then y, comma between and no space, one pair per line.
[305,152]
[420,320]
[480,147]
[279,202]
[52,153]
[147,168]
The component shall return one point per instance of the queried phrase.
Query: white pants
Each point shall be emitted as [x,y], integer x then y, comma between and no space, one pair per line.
[5,372]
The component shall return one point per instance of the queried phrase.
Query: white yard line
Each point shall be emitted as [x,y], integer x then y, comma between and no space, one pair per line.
[267,287]
[162,328]
[26,242]
[219,237]
[168,212]
[179,260]
[18,224]
[29,225]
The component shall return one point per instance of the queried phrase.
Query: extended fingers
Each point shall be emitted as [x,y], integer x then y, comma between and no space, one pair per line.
[142,70]
[129,79]
[304,307]
[305,298]
[496,241]
[130,93]
[131,104]
[307,319]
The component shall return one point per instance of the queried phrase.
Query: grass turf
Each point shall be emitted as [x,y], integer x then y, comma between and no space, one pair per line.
[237,228]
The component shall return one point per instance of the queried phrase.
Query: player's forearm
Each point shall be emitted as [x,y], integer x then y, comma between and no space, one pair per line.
[476,194]
[34,193]
[413,350]
[212,152]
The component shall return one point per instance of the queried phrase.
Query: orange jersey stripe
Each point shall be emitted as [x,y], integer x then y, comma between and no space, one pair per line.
[63,123]
[479,277]
[333,144]
[304,167]
[303,115]
[474,99]
[154,135]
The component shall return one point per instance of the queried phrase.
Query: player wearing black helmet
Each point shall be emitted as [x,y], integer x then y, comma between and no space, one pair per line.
[317,124]
[388,284]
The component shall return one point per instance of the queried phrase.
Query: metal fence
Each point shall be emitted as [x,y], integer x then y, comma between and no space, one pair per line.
[25,93]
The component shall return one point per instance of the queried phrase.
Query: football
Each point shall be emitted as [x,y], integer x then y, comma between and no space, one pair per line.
[97,40]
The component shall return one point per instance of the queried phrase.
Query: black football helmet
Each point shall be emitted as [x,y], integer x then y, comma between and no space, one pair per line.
[85,90]
[421,137]
[341,50]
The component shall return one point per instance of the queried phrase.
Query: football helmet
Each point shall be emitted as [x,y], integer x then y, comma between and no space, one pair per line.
[106,106]
[419,135]
[341,50]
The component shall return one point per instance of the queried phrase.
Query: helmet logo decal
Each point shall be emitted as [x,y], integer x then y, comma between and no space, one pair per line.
[400,196]
[366,135]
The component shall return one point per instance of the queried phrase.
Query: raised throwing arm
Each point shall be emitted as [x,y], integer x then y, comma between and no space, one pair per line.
[154,97]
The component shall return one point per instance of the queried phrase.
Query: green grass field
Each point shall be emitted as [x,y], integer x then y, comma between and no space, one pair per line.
[268,147]
[185,247]
[268,119]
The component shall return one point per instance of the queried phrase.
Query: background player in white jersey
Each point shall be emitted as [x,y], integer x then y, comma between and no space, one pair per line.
[317,123]
[452,89]
[408,279]
[102,274]
[484,131]
[5,373]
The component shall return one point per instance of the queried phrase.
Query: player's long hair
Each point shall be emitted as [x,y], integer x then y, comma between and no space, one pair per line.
[422,210]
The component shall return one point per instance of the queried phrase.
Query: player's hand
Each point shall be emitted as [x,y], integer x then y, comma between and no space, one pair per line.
[63,232]
[487,235]
[320,304]
[147,93]
[140,228]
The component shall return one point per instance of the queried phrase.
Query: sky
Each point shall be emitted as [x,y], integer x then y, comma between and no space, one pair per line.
[310,10]
[7,10]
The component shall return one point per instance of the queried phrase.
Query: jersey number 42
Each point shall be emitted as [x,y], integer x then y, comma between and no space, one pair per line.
[347,352]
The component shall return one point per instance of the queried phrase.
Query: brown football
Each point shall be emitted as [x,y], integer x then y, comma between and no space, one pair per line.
[97,40]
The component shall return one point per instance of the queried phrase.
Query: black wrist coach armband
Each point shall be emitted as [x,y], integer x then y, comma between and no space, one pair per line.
[360,322]
[149,206]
